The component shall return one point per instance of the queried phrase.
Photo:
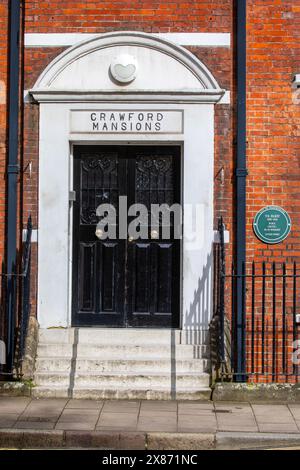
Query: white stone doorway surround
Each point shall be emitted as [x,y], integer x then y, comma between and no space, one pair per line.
[78,83]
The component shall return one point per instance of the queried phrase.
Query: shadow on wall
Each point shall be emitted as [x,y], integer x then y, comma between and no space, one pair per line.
[198,317]
[73,363]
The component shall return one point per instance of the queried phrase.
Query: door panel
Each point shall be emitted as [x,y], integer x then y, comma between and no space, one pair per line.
[154,263]
[154,301]
[98,266]
[117,282]
[86,278]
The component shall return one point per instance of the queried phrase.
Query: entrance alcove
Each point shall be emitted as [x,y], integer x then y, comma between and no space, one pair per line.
[124,72]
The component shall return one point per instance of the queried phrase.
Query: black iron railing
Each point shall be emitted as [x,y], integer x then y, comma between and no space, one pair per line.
[270,324]
[25,296]
[15,315]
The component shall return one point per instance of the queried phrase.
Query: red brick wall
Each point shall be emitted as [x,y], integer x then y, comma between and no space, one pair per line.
[143,15]
[273,131]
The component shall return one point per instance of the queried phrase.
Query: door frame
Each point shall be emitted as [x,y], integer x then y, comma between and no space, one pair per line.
[55,183]
[59,98]
[179,145]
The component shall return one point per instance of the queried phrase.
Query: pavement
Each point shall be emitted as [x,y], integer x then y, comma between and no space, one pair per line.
[56,423]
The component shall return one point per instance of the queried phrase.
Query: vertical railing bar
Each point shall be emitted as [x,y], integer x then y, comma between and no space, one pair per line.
[216,277]
[233,319]
[283,318]
[274,320]
[222,289]
[263,318]
[252,317]
[25,295]
[244,338]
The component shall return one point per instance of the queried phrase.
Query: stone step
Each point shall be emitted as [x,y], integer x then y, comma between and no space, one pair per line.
[123,393]
[63,364]
[122,336]
[115,351]
[122,363]
[115,380]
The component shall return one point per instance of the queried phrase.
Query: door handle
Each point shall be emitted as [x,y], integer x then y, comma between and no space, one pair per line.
[99,233]
[154,234]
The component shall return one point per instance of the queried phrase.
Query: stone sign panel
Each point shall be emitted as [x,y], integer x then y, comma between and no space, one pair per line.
[126,122]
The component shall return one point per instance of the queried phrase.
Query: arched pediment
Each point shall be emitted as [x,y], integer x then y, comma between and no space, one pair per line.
[165,71]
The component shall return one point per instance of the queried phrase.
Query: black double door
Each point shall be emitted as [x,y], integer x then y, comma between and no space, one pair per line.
[120,282]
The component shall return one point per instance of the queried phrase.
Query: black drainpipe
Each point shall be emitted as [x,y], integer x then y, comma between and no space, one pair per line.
[12,178]
[240,173]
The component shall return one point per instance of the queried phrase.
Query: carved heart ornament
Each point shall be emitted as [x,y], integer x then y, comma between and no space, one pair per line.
[124,68]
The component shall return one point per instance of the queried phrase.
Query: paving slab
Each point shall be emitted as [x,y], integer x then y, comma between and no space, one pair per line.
[158,406]
[120,406]
[13,404]
[45,410]
[278,427]
[49,401]
[144,413]
[269,417]
[240,404]
[155,423]
[195,408]
[235,417]
[77,419]
[126,421]
[228,427]
[240,408]
[211,418]
[85,404]
[8,420]
[50,415]
[271,410]
[196,423]
[295,410]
